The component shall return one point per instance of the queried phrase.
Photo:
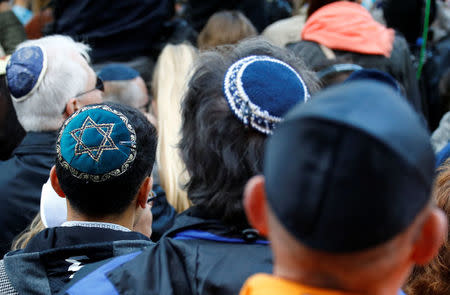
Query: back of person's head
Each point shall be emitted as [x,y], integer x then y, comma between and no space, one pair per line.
[345,197]
[104,153]
[124,85]
[43,75]
[434,278]
[315,5]
[334,71]
[169,84]
[225,27]
[226,118]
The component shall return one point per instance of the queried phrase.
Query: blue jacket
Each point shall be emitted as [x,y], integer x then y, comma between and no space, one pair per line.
[21,180]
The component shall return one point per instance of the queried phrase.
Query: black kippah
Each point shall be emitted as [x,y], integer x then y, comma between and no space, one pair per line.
[349,170]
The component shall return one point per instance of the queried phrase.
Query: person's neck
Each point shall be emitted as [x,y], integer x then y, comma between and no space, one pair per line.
[125,219]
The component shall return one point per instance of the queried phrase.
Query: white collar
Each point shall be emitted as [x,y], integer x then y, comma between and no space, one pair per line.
[96,224]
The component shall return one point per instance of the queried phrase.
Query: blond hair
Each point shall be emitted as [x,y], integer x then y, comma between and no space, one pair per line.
[169,84]
[21,241]
[225,27]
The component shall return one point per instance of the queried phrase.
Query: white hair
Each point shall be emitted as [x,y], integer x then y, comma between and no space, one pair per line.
[125,92]
[65,78]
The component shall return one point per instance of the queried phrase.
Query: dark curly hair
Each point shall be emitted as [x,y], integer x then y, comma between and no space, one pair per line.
[220,153]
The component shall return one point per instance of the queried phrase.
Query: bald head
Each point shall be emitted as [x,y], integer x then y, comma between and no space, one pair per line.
[130,92]
[124,85]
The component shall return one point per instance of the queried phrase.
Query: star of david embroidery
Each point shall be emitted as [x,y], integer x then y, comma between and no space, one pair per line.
[95,152]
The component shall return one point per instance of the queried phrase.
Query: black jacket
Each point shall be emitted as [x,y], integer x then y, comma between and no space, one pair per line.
[116,30]
[54,255]
[260,12]
[163,214]
[21,180]
[11,132]
[217,263]
[399,65]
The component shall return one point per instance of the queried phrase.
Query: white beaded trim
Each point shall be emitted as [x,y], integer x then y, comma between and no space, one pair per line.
[41,74]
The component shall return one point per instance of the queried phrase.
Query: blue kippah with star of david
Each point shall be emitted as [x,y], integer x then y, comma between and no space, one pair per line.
[96,143]
[261,89]
[25,71]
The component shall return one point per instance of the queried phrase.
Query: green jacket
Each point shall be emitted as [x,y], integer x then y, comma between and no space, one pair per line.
[12,31]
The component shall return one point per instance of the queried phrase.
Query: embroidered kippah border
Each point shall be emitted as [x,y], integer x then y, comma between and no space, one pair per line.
[114,173]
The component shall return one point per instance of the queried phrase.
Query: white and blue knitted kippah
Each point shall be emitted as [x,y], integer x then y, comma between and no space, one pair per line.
[261,89]
[25,71]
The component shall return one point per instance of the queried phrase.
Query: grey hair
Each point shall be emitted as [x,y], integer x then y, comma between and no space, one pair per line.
[64,79]
[124,92]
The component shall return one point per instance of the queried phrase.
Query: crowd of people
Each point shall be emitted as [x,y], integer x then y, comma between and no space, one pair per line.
[225,147]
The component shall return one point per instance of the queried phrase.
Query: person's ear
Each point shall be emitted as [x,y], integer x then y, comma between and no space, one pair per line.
[255,204]
[433,233]
[144,191]
[55,183]
[71,107]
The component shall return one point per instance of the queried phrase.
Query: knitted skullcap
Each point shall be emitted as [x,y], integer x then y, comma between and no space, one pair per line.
[261,89]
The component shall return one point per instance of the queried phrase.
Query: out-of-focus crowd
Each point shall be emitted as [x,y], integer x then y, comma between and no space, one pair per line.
[225,147]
